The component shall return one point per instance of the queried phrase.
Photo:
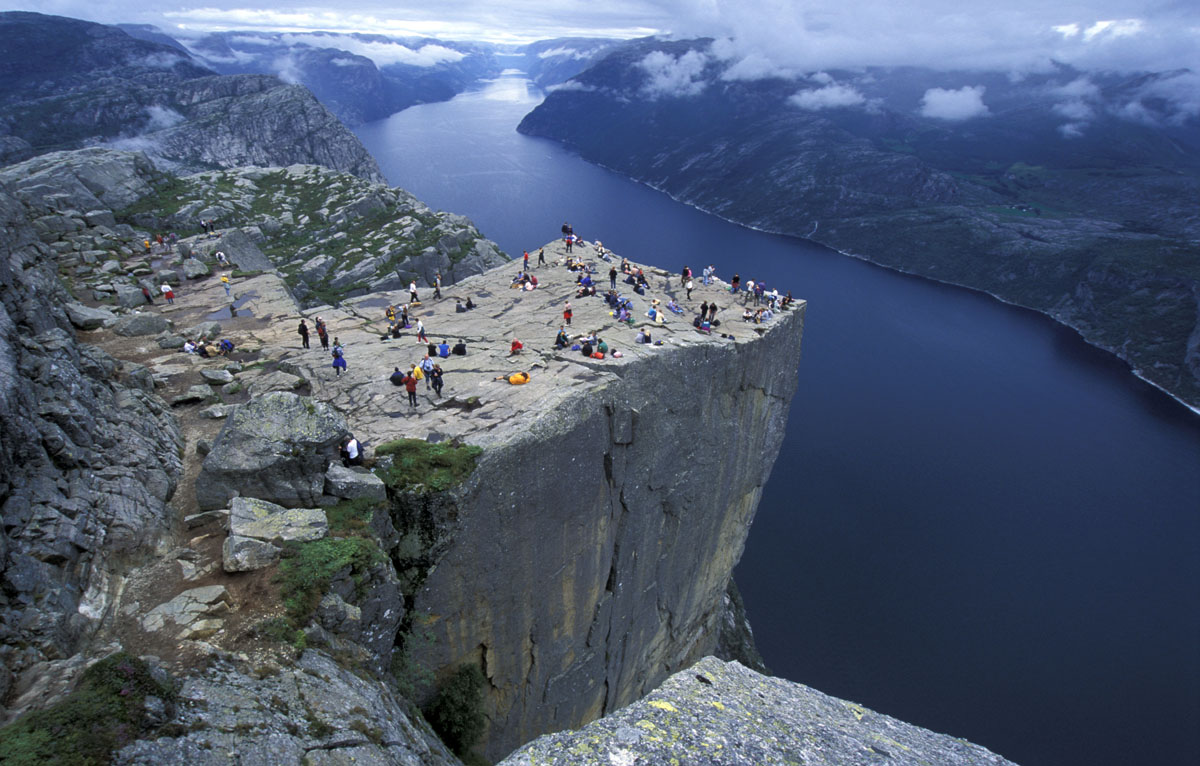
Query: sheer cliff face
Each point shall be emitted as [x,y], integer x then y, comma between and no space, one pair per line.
[590,557]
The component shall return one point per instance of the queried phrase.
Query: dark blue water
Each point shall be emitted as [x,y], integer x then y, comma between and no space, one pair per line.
[977,523]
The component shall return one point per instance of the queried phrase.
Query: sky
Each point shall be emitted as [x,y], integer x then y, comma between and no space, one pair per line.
[768,35]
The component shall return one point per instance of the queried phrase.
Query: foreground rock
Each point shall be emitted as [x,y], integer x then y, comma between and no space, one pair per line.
[316,714]
[256,526]
[722,713]
[274,448]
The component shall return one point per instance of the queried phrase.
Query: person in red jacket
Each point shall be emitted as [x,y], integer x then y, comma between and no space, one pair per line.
[516,347]
[567,313]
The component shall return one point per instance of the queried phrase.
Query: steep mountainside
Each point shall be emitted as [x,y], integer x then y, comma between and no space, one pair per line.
[66,83]
[550,62]
[1066,192]
[358,77]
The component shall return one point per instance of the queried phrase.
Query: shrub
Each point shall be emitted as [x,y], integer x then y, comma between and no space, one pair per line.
[106,712]
[456,713]
[436,466]
[306,570]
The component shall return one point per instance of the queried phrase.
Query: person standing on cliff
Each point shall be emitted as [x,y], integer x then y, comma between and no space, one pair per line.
[612,277]
[168,293]
[339,358]
[526,261]
[303,330]
[322,333]
[421,332]
[437,285]
[541,256]
[412,292]
[568,313]
[410,385]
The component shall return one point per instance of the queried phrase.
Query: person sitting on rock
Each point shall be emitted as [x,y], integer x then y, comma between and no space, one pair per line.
[470,304]
[460,348]
[225,347]
[643,337]
[397,377]
[561,340]
[189,347]
[586,350]
[443,349]
[601,346]
[351,451]
[459,308]
[396,331]
[516,347]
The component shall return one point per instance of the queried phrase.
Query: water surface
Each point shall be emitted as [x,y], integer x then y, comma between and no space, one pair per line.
[977,523]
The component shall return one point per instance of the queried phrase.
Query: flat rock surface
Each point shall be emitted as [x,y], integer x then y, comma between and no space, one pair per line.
[723,713]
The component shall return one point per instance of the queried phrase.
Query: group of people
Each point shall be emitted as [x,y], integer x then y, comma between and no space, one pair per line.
[206,348]
[426,369]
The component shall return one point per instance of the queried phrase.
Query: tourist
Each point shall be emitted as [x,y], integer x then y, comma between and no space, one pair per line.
[541,256]
[397,377]
[146,294]
[561,340]
[421,332]
[516,347]
[437,285]
[410,385]
[525,261]
[339,357]
[225,284]
[703,310]
[443,349]
[412,292]
[167,292]
[351,451]
[459,308]
[435,376]
[689,287]
[460,348]
[426,368]
[567,313]
[612,278]
[303,330]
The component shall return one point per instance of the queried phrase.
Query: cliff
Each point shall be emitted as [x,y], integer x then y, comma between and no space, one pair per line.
[568,540]
[1091,224]
[69,83]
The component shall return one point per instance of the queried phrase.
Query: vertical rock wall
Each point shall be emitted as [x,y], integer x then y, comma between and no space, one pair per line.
[590,556]
[87,463]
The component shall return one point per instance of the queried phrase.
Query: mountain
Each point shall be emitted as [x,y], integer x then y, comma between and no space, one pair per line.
[359,77]
[66,83]
[1068,192]
[550,62]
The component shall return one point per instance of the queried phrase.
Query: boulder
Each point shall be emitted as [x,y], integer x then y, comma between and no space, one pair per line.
[275,381]
[194,395]
[206,330]
[171,341]
[275,447]
[353,483]
[141,324]
[194,268]
[130,297]
[261,520]
[246,554]
[86,318]
[217,377]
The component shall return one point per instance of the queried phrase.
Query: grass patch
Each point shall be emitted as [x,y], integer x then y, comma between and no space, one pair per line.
[351,517]
[437,467]
[306,569]
[104,714]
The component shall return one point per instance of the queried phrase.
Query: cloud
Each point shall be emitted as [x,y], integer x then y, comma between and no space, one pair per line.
[831,96]
[344,62]
[162,117]
[954,105]
[561,52]
[673,76]
[287,69]
[381,52]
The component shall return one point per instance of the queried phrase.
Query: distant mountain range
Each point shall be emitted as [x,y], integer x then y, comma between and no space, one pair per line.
[1076,194]
[66,83]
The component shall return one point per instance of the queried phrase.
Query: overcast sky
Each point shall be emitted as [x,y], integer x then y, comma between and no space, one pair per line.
[1010,35]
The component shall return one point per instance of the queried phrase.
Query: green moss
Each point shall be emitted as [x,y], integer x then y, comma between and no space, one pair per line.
[306,569]
[416,463]
[105,713]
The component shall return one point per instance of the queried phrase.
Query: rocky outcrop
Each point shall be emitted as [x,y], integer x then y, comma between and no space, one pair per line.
[87,462]
[72,83]
[314,713]
[724,714]
[273,448]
